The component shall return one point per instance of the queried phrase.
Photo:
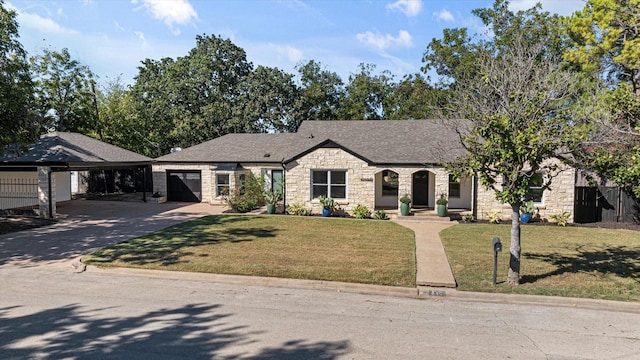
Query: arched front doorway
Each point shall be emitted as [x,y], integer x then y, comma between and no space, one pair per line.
[420,188]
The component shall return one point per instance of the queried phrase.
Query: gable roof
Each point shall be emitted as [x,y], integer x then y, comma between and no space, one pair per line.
[393,141]
[375,141]
[74,150]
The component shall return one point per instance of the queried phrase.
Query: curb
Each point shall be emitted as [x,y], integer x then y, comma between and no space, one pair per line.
[419,292]
[365,289]
[536,300]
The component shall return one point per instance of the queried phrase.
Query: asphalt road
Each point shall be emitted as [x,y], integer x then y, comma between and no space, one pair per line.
[51,312]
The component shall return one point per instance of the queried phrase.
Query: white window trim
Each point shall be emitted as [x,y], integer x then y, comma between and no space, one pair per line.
[346,185]
[228,184]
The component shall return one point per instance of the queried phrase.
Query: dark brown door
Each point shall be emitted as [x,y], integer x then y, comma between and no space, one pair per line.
[421,188]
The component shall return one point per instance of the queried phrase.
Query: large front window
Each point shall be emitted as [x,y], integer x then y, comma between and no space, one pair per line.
[454,187]
[329,183]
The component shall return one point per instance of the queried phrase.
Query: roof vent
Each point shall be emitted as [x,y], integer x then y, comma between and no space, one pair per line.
[310,136]
[267,155]
[176,149]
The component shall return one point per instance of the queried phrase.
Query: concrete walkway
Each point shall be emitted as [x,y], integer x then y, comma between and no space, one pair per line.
[433,267]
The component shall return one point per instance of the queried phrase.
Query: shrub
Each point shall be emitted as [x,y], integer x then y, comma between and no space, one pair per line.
[380,215]
[494,217]
[299,210]
[248,196]
[361,212]
[561,219]
[327,202]
[468,218]
[405,199]
[442,200]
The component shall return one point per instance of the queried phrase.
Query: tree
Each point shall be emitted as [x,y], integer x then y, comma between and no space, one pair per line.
[194,98]
[65,92]
[17,121]
[267,101]
[321,92]
[516,100]
[520,121]
[367,95]
[414,98]
[606,45]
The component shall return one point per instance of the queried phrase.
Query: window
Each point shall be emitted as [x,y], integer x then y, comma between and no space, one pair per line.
[535,188]
[222,184]
[242,179]
[330,183]
[454,187]
[389,183]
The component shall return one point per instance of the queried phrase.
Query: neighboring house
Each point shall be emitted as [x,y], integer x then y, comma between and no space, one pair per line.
[43,175]
[372,163]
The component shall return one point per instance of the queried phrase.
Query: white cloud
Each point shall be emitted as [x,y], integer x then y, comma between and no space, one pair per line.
[385,41]
[117,26]
[292,54]
[444,15]
[143,40]
[176,12]
[39,23]
[408,7]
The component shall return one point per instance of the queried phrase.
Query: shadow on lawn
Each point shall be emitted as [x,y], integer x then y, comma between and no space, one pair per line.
[194,331]
[168,246]
[621,261]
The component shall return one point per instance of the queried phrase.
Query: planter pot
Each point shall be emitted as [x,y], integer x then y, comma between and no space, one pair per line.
[525,218]
[405,209]
[442,210]
[326,212]
[271,208]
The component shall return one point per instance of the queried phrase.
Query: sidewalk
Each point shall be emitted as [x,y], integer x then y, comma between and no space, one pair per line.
[431,261]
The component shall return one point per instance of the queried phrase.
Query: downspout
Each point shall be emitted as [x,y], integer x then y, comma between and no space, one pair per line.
[144,184]
[284,186]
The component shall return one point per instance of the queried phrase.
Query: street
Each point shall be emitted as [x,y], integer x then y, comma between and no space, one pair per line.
[53,312]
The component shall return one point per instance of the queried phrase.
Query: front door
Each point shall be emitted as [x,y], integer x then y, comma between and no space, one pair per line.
[421,188]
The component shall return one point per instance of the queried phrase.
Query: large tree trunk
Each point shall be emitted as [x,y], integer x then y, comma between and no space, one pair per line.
[513,277]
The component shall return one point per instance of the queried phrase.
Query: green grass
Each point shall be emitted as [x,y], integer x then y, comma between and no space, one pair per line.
[361,251]
[572,261]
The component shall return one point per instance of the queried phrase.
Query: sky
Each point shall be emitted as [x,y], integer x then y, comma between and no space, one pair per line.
[112,37]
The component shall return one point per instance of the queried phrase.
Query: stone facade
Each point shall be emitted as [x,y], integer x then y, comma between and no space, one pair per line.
[558,198]
[46,194]
[363,184]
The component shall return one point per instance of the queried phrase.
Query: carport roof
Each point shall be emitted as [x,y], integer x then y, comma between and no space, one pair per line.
[73,150]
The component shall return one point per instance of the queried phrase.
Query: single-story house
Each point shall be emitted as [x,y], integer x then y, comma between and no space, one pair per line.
[372,163]
[41,176]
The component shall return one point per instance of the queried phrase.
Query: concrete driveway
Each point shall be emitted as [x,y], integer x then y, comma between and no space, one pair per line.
[86,225]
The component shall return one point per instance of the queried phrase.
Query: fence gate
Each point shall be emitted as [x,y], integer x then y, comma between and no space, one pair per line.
[607,204]
[586,205]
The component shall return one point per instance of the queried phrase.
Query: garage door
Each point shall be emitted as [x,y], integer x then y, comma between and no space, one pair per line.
[184,186]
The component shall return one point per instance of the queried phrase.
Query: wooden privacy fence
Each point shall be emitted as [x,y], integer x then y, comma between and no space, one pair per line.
[604,204]
[18,193]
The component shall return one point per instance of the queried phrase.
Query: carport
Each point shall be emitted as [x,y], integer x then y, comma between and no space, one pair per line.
[59,153]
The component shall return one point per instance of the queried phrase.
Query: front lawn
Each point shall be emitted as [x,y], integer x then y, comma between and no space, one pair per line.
[361,251]
[572,261]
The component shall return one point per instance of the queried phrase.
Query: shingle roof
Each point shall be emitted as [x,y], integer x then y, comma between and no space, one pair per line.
[73,148]
[379,141]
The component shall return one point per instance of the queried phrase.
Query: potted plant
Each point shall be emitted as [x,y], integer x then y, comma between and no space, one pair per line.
[271,198]
[441,205]
[405,205]
[526,211]
[328,205]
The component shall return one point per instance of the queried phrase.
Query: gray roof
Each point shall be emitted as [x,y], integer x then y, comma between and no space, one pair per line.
[375,141]
[73,149]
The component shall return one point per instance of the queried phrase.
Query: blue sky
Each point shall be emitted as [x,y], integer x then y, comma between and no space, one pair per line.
[113,36]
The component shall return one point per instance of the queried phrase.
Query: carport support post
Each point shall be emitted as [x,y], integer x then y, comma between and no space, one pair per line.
[46,193]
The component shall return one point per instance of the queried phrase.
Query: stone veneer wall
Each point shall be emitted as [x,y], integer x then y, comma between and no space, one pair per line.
[360,178]
[560,197]
[208,177]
